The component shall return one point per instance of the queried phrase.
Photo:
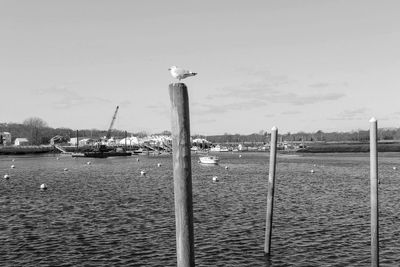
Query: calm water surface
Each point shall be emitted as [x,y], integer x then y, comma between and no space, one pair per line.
[106,214]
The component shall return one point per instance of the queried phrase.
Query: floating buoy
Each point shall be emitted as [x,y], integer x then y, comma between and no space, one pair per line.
[312,171]
[240,156]
[226,167]
[43,186]
[159,165]
[142,173]
[65,169]
[6,176]
[215,178]
[88,163]
[394,168]
[12,166]
[137,159]
[58,158]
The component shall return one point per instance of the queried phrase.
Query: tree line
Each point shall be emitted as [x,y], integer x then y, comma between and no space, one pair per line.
[319,136]
[38,132]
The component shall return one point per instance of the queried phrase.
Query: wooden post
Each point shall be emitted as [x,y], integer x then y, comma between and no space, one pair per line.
[374,193]
[271,190]
[126,136]
[77,141]
[182,174]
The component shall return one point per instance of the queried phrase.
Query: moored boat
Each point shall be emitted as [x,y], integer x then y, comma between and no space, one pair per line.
[209,160]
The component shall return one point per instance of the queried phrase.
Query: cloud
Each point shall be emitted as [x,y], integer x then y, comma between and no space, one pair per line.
[65,98]
[255,95]
[290,112]
[299,100]
[355,114]
[206,109]
[319,85]
[262,89]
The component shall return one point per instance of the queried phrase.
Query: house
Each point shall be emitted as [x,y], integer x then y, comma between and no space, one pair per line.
[5,138]
[21,142]
[83,141]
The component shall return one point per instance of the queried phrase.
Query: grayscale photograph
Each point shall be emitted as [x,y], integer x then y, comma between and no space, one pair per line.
[199,133]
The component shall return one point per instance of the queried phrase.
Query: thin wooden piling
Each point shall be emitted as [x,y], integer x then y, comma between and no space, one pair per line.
[182,174]
[126,136]
[374,192]
[77,141]
[271,190]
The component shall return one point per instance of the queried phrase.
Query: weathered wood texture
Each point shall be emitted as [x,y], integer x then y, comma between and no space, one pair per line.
[271,190]
[182,174]
[374,193]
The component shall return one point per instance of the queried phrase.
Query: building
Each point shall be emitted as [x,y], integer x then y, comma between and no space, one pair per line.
[21,142]
[83,141]
[5,138]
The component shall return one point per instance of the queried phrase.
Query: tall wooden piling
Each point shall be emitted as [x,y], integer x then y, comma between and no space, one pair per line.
[182,174]
[77,141]
[271,190]
[374,192]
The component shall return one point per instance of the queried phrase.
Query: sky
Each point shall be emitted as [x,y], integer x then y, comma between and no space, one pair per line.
[298,65]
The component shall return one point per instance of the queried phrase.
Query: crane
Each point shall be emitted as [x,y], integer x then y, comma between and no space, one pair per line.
[112,123]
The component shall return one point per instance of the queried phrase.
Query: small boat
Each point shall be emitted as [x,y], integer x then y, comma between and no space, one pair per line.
[209,160]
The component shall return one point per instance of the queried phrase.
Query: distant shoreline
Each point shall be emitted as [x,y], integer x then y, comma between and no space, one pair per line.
[318,147]
[22,150]
[348,147]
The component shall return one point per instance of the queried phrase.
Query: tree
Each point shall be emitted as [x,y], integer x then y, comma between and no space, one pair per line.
[320,135]
[36,126]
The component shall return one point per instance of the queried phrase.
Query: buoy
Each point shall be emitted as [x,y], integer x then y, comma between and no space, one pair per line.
[312,171]
[58,158]
[12,166]
[240,156]
[226,167]
[6,176]
[137,159]
[88,163]
[43,187]
[215,178]
[142,173]
[65,169]
[159,165]
[394,168]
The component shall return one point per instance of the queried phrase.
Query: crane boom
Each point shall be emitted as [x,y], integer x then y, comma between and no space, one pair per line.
[112,123]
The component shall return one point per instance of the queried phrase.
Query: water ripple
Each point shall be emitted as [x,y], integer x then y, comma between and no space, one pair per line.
[106,214]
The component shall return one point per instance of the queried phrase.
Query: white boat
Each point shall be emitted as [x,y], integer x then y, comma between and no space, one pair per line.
[209,160]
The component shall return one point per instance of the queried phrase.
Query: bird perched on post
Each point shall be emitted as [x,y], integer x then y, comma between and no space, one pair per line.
[179,73]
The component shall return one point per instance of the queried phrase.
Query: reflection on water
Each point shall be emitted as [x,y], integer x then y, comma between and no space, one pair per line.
[107,214]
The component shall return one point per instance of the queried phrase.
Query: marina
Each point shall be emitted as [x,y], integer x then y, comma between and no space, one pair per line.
[101,166]
[107,213]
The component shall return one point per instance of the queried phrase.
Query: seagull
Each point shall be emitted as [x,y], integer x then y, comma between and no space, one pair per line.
[179,73]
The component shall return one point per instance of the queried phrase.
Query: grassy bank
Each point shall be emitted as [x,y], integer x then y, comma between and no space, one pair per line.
[21,150]
[349,147]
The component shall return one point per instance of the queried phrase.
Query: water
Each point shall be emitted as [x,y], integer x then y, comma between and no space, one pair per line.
[107,214]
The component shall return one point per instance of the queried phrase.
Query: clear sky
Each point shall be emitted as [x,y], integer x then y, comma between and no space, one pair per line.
[298,65]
